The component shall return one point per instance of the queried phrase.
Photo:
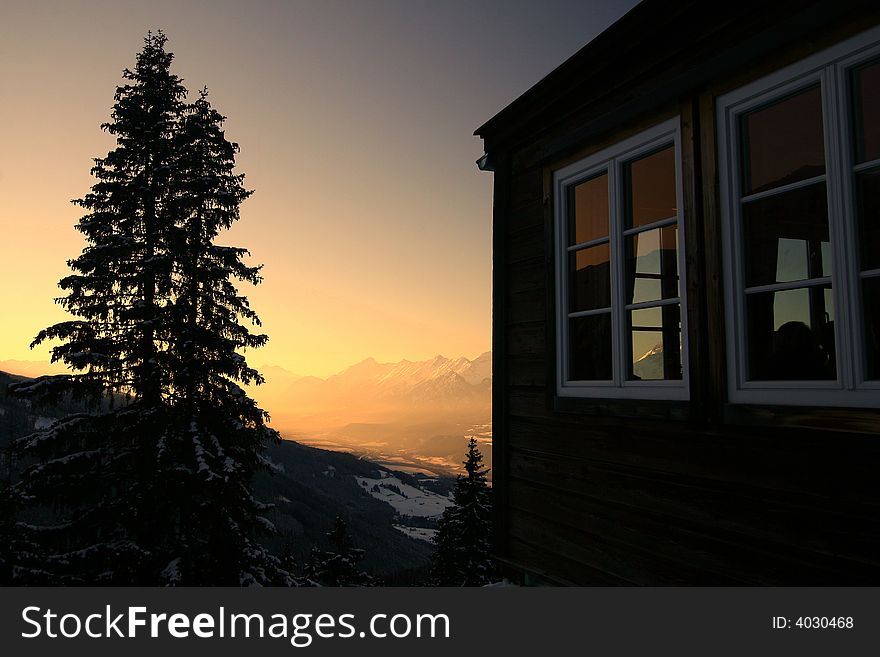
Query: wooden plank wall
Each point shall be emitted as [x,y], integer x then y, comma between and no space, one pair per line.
[589,497]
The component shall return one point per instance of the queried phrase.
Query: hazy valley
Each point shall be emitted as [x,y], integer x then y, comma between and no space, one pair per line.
[410,416]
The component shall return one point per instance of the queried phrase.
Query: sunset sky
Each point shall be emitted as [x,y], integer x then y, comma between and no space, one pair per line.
[355,121]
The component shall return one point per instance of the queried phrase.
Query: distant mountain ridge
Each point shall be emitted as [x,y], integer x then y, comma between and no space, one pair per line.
[420,405]
[650,366]
[369,390]
[31,368]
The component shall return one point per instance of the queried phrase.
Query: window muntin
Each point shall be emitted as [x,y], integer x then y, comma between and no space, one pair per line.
[619,260]
[801,209]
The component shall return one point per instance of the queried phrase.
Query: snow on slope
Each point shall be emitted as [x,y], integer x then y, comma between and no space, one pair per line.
[407,500]
[418,533]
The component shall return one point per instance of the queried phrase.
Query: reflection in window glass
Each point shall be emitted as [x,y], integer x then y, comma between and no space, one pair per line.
[868,201]
[590,278]
[783,142]
[590,210]
[655,343]
[791,335]
[786,237]
[866,105]
[871,309]
[652,265]
[590,348]
[650,188]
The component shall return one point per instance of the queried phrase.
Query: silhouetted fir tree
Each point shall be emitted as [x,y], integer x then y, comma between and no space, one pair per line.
[464,534]
[339,565]
[155,488]
[224,431]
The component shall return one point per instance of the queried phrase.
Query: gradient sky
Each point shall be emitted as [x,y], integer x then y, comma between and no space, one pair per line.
[355,121]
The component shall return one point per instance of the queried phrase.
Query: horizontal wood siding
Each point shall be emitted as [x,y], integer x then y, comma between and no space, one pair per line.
[692,505]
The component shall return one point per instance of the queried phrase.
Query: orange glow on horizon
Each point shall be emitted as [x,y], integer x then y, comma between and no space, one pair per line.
[355,123]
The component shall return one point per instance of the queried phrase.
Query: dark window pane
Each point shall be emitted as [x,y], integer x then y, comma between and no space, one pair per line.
[650,188]
[782,143]
[652,265]
[871,314]
[589,210]
[590,348]
[868,199]
[791,335]
[655,343]
[590,280]
[786,237]
[866,105]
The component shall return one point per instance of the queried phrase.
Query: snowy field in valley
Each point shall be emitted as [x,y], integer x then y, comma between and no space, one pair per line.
[407,500]
[418,533]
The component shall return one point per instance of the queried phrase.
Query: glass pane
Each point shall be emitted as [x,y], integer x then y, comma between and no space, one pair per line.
[871,312]
[650,188]
[655,344]
[652,265]
[783,143]
[786,237]
[791,335]
[866,104]
[590,278]
[868,199]
[589,210]
[590,348]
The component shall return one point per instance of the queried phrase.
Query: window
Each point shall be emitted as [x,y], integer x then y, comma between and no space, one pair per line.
[620,304]
[800,184]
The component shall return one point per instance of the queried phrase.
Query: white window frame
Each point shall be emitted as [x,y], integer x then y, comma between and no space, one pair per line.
[612,161]
[830,70]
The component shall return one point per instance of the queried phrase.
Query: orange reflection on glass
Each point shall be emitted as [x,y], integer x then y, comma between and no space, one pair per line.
[783,142]
[650,188]
[589,217]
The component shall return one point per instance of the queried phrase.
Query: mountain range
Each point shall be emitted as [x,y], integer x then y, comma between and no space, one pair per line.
[649,367]
[372,392]
[411,415]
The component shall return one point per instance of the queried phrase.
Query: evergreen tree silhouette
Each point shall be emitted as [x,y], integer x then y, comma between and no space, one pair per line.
[339,565]
[151,484]
[464,534]
[224,430]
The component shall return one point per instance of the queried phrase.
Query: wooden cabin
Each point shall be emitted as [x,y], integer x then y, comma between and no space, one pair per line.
[687,301]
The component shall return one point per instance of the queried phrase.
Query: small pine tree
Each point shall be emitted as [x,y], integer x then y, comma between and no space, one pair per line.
[339,565]
[464,534]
